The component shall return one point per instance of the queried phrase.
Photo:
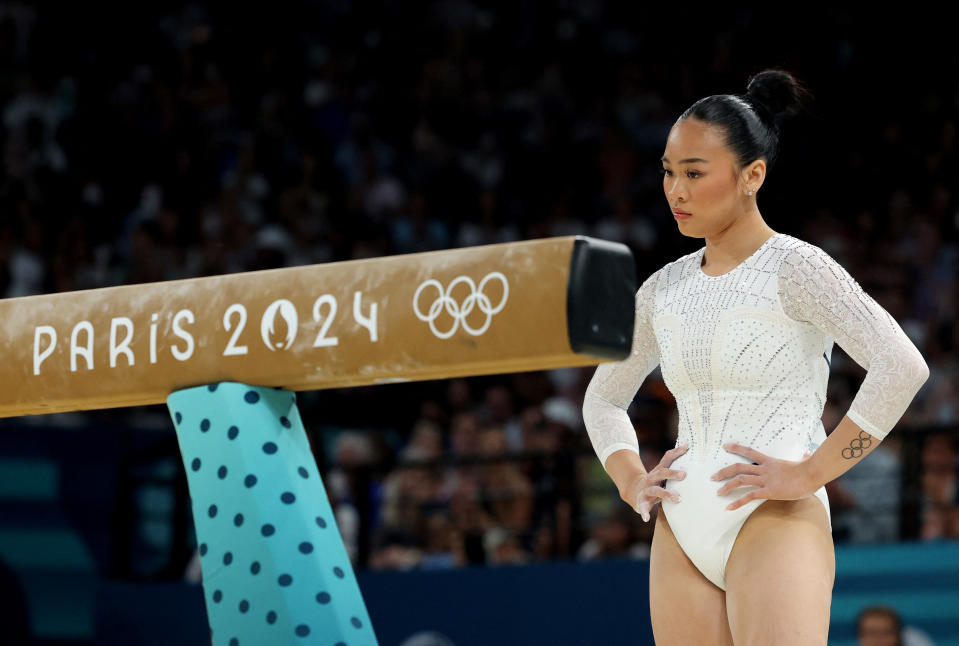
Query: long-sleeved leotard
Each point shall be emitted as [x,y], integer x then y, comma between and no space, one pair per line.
[746,355]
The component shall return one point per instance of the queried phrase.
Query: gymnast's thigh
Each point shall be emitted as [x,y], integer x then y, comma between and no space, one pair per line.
[780,573]
[684,606]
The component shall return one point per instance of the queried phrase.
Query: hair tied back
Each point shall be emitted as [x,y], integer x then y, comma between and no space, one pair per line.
[775,95]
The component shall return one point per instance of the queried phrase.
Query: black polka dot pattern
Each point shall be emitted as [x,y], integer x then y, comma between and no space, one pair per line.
[278,533]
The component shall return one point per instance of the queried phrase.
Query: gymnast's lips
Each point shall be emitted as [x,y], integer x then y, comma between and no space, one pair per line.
[682,214]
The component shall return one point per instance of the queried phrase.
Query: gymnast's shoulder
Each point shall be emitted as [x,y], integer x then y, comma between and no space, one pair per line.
[798,254]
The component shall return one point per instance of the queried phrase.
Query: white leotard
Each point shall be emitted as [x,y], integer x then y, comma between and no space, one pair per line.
[746,356]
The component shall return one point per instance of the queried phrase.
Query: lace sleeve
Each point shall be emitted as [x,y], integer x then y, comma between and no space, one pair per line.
[614,384]
[817,289]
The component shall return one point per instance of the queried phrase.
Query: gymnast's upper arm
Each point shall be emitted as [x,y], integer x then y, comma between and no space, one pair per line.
[614,384]
[817,289]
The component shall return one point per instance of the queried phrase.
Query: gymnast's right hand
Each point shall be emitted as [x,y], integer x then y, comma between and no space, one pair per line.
[645,490]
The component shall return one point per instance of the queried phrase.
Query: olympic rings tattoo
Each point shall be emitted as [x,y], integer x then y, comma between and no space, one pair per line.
[857,446]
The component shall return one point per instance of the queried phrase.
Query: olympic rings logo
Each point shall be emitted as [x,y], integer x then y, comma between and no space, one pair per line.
[476,298]
[857,446]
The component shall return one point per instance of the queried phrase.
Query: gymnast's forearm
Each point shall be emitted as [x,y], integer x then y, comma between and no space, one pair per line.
[613,438]
[845,447]
[895,374]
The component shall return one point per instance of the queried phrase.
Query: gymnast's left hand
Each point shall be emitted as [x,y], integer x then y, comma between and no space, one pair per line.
[776,479]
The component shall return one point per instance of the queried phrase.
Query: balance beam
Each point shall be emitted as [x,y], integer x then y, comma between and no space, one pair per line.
[531,305]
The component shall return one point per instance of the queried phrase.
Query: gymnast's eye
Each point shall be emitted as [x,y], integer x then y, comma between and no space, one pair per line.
[693,174]
[666,172]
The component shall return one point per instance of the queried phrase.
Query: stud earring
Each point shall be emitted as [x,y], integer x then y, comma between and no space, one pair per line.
[750,192]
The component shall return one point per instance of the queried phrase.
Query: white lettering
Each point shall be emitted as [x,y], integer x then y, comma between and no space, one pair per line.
[124,346]
[40,357]
[232,349]
[321,340]
[153,337]
[182,355]
[85,352]
[368,322]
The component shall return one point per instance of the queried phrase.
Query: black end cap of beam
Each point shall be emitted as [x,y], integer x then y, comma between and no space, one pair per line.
[601,298]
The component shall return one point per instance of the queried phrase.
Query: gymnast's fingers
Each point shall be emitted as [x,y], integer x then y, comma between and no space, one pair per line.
[642,508]
[661,473]
[752,495]
[672,454]
[736,469]
[746,452]
[739,481]
[660,492]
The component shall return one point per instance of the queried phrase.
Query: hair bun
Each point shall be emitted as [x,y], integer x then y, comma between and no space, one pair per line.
[776,94]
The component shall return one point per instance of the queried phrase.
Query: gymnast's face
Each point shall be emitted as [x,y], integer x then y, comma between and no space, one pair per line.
[701,177]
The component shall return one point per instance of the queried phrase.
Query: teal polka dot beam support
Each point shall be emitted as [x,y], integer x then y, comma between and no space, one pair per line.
[275,570]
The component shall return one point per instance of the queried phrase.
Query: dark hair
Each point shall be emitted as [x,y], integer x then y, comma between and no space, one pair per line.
[883,611]
[752,121]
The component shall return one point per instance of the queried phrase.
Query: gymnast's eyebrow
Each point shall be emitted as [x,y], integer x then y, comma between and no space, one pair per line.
[691,160]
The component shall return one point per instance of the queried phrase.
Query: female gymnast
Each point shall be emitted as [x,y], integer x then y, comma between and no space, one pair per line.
[743,331]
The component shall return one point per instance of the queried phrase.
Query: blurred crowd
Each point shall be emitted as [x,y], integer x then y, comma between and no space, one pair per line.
[202,140]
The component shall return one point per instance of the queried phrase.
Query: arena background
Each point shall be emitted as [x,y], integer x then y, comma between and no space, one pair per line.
[164,140]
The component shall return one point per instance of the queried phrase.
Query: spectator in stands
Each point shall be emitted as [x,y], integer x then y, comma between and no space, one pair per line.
[470,519]
[348,481]
[503,547]
[441,551]
[940,478]
[614,537]
[882,626]
[879,626]
[507,491]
